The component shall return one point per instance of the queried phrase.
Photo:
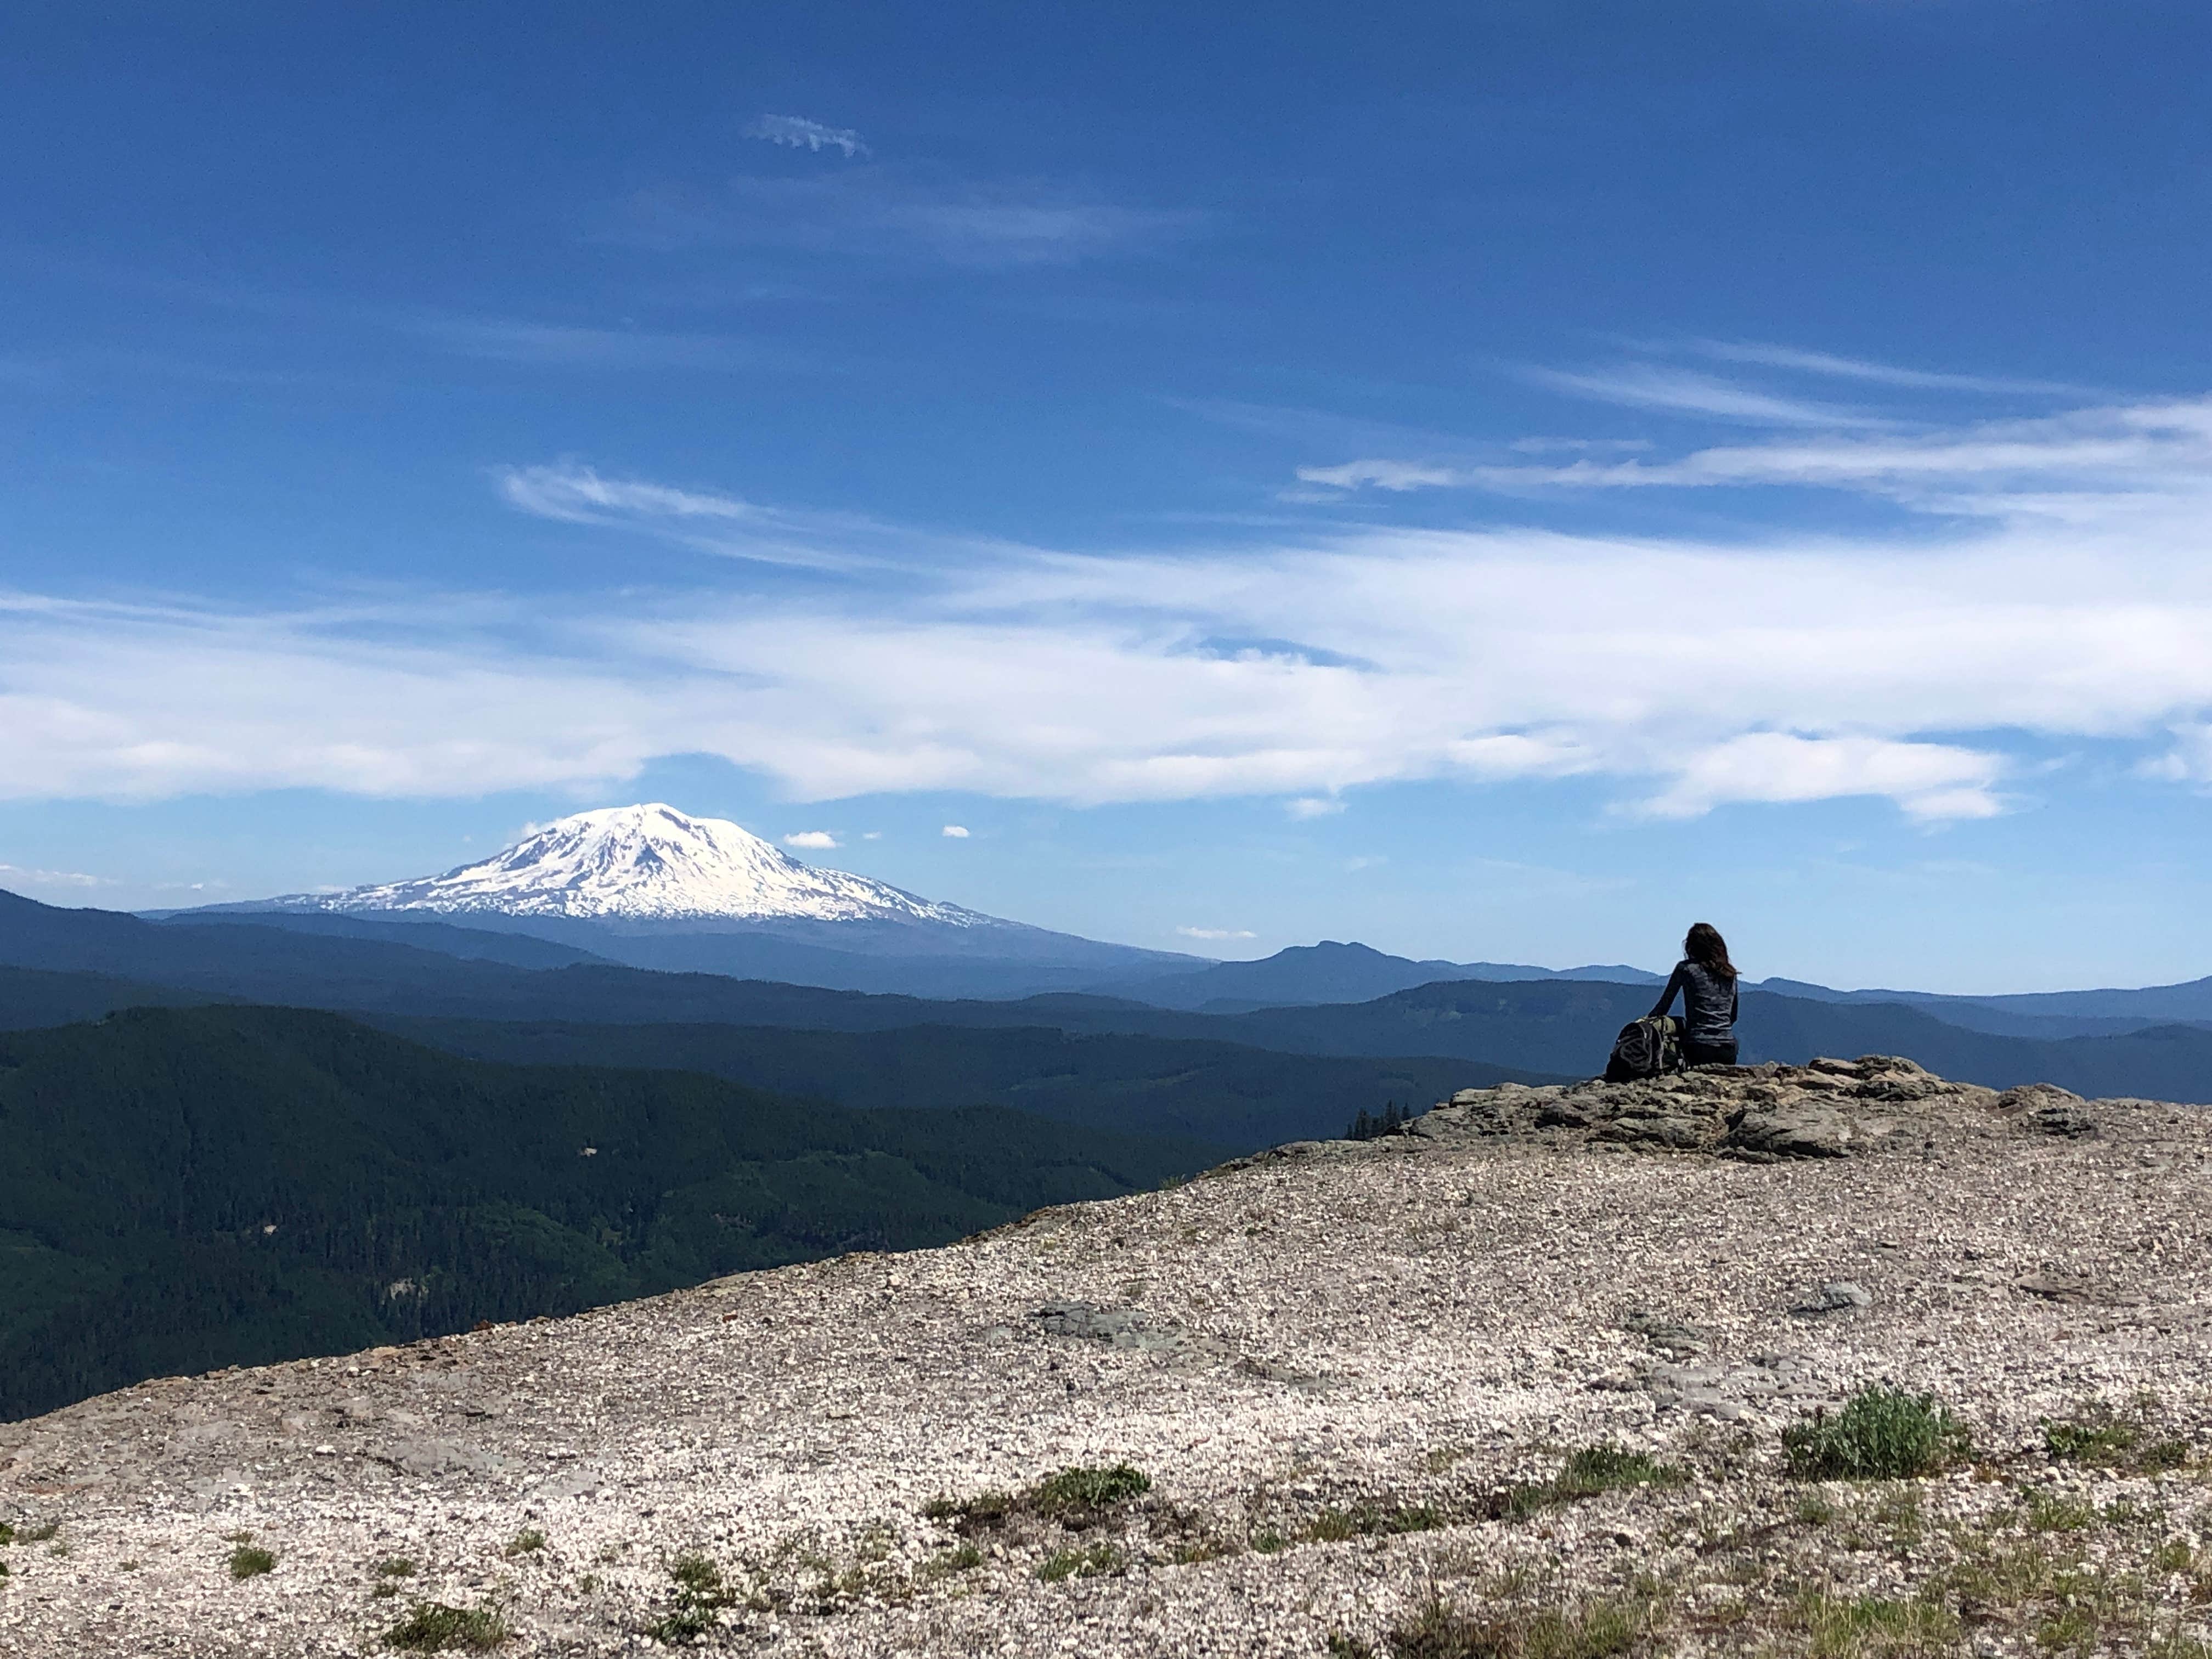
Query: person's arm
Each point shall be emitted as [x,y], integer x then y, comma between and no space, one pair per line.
[1666,996]
[1734,985]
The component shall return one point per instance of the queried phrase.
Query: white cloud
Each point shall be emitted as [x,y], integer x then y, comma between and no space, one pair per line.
[1383,475]
[1217,933]
[800,133]
[14,875]
[872,835]
[2064,600]
[814,840]
[1928,781]
[956,831]
[1312,806]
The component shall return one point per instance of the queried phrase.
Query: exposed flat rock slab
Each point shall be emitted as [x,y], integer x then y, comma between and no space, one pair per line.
[1397,1329]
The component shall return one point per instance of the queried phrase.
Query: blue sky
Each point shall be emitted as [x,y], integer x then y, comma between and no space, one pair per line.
[1495,482]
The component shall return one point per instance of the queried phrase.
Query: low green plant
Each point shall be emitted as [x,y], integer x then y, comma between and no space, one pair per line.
[395,1567]
[2102,1438]
[250,1561]
[1814,1508]
[7,1535]
[2173,1555]
[962,1557]
[433,1627]
[1082,1491]
[1342,1646]
[528,1542]
[1586,1473]
[39,1533]
[1847,1627]
[1092,1562]
[1205,1548]
[1881,1433]
[1596,1631]
[700,1596]
[1595,1469]
[985,1511]
[1334,1526]
[1267,1540]
[2058,1511]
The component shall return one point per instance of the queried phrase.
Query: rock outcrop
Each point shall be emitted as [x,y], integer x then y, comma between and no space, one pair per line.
[1534,1356]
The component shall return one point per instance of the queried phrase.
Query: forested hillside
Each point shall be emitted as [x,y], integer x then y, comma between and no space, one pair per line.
[195,1188]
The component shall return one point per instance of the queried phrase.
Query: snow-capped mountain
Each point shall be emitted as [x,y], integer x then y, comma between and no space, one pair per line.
[647,863]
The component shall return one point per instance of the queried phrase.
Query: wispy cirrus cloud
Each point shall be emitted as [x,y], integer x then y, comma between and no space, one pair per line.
[1684,392]
[713,521]
[909,212]
[1217,933]
[1869,372]
[515,340]
[799,133]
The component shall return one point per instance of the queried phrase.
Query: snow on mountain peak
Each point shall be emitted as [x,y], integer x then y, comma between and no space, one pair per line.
[649,862]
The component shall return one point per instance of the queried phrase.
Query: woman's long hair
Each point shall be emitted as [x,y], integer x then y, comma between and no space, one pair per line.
[1704,946]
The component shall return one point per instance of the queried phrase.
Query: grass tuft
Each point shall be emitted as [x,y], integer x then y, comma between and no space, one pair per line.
[433,1627]
[1586,1473]
[1439,1631]
[700,1596]
[250,1561]
[1848,1627]
[1082,1491]
[1881,1433]
[1095,1562]
[528,1542]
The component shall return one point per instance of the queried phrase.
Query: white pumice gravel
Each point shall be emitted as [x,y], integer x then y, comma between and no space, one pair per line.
[1391,1333]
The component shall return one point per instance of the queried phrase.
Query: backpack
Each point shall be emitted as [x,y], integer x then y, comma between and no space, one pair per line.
[1645,1048]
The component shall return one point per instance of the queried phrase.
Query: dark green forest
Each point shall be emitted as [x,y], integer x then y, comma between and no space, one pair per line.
[186,1188]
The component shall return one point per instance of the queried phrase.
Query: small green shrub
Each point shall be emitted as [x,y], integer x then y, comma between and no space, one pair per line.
[1881,1433]
[1097,1560]
[39,1533]
[528,1542]
[250,1561]
[395,1567]
[433,1627]
[1342,1646]
[7,1535]
[1267,1540]
[1083,1491]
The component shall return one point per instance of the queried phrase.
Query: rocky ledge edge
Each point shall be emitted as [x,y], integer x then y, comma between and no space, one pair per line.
[1759,1114]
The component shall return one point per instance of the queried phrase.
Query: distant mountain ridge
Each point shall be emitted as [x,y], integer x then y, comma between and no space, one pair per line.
[1333,971]
[1556,1026]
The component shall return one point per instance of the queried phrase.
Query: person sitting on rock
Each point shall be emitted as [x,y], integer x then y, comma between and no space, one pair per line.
[1706,979]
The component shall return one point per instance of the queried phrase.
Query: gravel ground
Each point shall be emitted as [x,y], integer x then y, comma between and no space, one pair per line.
[1334,1364]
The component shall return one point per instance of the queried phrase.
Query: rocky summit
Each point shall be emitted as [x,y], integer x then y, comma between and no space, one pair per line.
[1837,1359]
